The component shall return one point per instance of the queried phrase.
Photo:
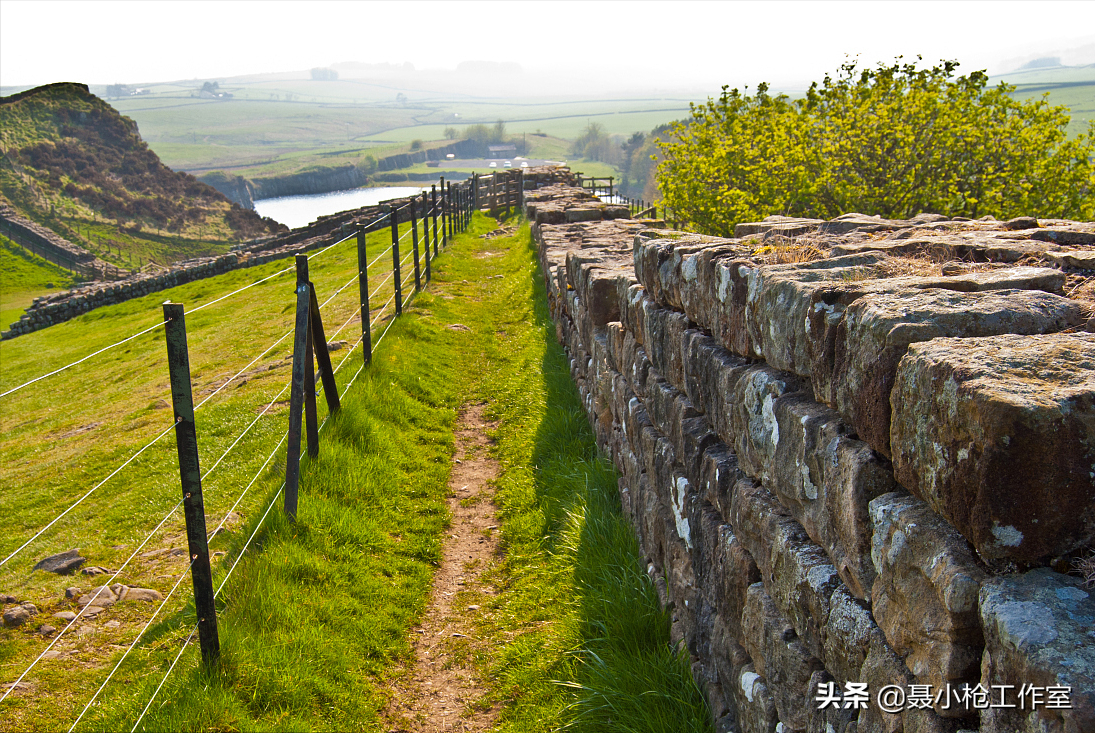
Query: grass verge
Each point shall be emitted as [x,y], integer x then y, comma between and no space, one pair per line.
[314,618]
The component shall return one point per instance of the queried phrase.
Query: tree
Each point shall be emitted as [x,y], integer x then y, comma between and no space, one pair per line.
[894,140]
[451,133]
[324,75]
[416,145]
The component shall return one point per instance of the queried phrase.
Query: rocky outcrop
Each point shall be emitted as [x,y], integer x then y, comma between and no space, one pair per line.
[752,391]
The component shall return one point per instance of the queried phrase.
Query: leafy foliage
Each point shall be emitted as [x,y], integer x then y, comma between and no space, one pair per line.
[894,141]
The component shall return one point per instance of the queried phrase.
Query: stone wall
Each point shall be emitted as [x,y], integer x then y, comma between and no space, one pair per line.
[63,306]
[56,249]
[854,451]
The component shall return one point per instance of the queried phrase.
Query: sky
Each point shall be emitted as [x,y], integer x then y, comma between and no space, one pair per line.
[634,42]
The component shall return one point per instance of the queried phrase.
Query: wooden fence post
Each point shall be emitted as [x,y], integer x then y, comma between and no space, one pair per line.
[433,212]
[297,393]
[426,231]
[311,420]
[414,244]
[395,262]
[186,441]
[363,294]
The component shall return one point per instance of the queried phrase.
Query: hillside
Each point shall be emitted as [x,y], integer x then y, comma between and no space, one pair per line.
[73,164]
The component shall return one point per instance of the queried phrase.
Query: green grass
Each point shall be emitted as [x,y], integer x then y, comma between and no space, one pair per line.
[314,620]
[23,277]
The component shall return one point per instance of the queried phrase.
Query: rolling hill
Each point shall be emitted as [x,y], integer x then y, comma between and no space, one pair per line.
[72,163]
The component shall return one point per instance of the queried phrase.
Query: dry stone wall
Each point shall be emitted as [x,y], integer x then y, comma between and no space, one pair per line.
[856,451]
[68,304]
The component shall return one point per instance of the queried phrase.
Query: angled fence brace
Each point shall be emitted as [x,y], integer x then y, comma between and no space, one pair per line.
[186,441]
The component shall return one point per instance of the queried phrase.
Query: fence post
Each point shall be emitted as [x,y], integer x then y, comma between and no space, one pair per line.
[311,420]
[450,208]
[297,394]
[186,441]
[363,294]
[433,212]
[395,262]
[414,245]
[426,231]
[475,190]
[444,213]
[521,191]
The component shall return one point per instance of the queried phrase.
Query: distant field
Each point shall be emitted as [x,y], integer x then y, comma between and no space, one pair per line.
[277,125]
[1073,87]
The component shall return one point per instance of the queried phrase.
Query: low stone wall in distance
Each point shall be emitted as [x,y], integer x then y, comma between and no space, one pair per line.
[856,452]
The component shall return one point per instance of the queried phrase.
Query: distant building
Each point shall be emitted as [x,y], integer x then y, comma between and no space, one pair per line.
[502,151]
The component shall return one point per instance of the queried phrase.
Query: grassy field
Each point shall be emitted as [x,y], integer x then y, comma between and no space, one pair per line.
[315,615]
[23,277]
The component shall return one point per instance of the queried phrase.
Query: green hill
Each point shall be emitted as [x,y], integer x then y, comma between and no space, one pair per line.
[73,164]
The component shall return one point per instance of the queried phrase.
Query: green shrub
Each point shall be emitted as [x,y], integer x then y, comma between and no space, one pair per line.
[894,141]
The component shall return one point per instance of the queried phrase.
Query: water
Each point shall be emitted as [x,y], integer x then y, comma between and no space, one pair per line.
[298,211]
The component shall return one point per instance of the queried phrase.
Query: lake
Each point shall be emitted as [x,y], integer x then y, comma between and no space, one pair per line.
[298,211]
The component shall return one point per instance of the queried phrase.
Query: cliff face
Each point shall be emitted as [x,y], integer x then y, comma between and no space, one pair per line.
[71,162]
[322,180]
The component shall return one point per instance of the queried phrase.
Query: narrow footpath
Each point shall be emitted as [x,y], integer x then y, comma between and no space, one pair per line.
[440,691]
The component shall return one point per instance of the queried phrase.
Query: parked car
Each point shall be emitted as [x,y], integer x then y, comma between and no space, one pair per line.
[493,164]
[507,164]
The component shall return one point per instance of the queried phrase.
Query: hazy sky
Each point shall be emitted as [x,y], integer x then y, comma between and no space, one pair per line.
[687,44]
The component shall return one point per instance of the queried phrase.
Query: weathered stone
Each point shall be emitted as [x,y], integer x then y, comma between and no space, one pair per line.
[724,568]
[62,563]
[787,225]
[753,700]
[1065,237]
[753,420]
[998,435]
[102,596]
[874,334]
[779,656]
[47,630]
[1040,632]
[848,633]
[826,478]
[19,615]
[925,596]
[65,615]
[828,718]
[1084,259]
[797,573]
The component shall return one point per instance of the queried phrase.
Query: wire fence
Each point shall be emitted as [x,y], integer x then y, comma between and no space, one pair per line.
[430,220]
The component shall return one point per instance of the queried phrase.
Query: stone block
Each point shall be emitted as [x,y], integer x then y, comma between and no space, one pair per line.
[998,435]
[753,418]
[1039,632]
[753,700]
[848,633]
[724,569]
[875,333]
[719,473]
[796,572]
[925,595]
[826,479]
[779,656]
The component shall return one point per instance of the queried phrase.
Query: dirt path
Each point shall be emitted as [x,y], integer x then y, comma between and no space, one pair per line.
[440,692]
